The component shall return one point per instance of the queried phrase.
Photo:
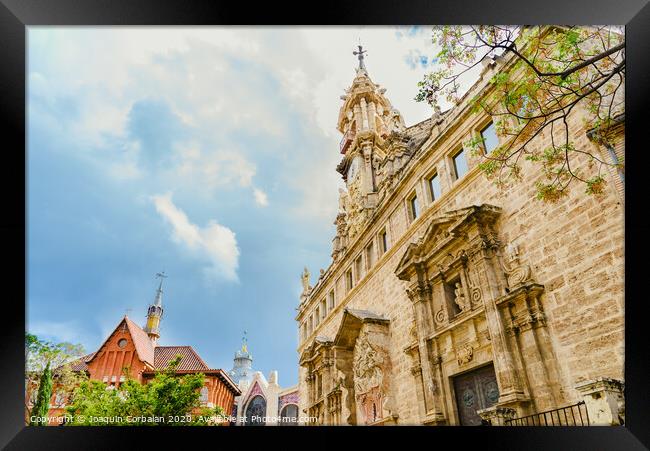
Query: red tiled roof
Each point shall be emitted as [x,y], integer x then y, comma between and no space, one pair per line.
[190,360]
[143,345]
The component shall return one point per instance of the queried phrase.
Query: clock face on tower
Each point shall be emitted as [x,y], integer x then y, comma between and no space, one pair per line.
[353,170]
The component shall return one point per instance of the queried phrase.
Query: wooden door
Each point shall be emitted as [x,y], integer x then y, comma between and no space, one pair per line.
[475,390]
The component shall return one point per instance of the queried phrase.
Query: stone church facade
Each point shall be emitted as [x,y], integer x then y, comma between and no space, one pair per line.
[449,302]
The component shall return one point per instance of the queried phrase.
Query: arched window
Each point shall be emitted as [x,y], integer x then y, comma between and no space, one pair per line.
[289,415]
[255,412]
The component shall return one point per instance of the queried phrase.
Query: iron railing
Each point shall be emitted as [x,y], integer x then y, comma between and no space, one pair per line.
[574,415]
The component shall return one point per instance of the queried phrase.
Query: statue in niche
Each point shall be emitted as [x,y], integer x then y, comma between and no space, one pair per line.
[459,297]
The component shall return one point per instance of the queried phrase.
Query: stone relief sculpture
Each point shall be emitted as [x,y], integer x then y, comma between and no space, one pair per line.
[464,354]
[367,366]
[395,122]
[370,361]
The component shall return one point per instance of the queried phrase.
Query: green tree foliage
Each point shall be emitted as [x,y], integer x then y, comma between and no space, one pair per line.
[42,404]
[48,363]
[39,353]
[546,74]
[168,399]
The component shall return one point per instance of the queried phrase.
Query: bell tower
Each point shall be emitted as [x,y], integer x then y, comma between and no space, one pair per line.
[366,120]
[155,312]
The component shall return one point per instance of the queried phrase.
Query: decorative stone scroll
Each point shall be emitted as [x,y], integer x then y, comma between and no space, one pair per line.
[517,274]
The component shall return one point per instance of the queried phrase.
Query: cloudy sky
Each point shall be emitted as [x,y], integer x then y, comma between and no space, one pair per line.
[206,152]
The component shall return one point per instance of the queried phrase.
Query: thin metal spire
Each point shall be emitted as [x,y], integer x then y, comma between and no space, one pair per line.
[158,300]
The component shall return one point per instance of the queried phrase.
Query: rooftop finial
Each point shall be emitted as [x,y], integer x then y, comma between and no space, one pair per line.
[244,343]
[360,55]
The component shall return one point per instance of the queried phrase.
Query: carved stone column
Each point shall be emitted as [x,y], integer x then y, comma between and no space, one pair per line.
[366,152]
[371,115]
[364,114]
[327,370]
[526,321]
[343,359]
[484,260]
[416,371]
[545,344]
[420,296]
[439,413]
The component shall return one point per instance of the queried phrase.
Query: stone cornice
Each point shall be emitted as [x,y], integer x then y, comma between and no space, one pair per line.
[455,322]
[534,288]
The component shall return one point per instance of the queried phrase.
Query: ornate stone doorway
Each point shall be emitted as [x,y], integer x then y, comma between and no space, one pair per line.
[475,390]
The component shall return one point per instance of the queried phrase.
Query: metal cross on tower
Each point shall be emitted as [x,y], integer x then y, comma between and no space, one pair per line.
[360,54]
[162,277]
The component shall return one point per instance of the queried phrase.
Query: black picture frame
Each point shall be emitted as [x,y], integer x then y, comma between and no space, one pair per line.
[16,15]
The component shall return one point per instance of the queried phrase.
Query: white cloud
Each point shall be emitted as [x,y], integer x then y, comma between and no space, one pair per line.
[261,198]
[215,242]
[235,88]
